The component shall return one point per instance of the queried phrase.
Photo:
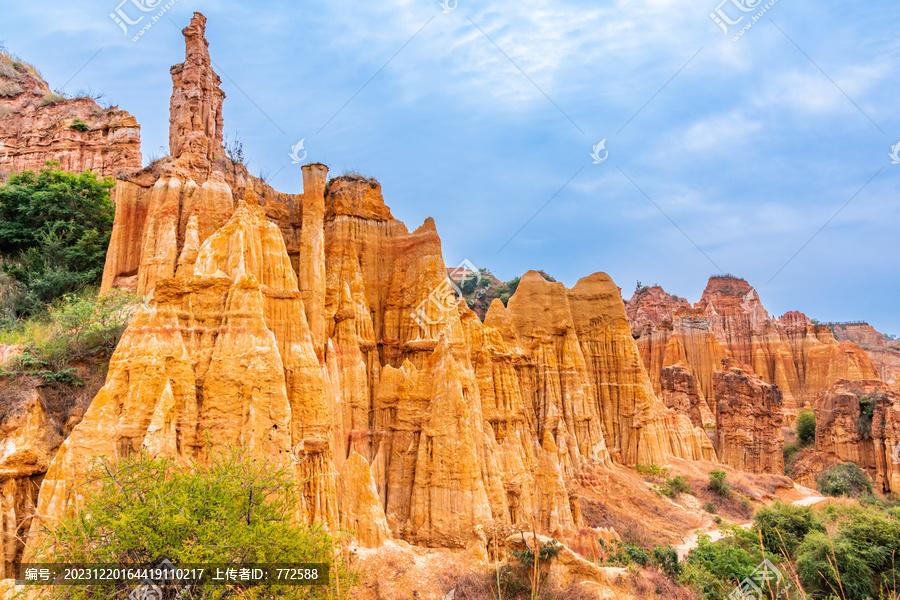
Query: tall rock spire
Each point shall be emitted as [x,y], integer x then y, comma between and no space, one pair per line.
[195,110]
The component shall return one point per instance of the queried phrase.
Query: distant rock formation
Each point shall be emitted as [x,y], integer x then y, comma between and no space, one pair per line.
[859,422]
[884,352]
[37,125]
[729,327]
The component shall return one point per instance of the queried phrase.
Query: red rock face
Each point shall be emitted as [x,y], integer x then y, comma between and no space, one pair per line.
[681,393]
[885,353]
[653,306]
[859,422]
[730,327]
[36,126]
[748,422]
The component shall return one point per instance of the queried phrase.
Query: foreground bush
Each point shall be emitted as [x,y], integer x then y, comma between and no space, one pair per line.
[713,569]
[784,526]
[833,566]
[235,510]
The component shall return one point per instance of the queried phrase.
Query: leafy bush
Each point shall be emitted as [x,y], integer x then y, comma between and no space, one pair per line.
[784,526]
[789,452]
[821,561]
[78,125]
[718,485]
[238,509]
[626,554]
[713,568]
[522,579]
[680,484]
[710,508]
[674,486]
[75,327]
[866,412]
[806,426]
[513,284]
[54,231]
[666,559]
[844,480]
[653,470]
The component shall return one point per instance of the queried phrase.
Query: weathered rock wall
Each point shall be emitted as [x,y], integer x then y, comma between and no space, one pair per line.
[748,422]
[730,327]
[36,126]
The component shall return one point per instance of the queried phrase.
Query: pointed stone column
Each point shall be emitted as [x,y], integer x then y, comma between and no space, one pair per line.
[195,110]
[311,272]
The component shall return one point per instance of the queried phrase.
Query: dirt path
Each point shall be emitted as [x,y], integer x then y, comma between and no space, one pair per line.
[716,534]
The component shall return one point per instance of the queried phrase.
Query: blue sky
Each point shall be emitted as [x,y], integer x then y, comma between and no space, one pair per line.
[724,156]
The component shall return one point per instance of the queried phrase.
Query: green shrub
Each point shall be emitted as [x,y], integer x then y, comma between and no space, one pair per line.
[844,480]
[626,554]
[806,427]
[78,125]
[702,580]
[783,526]
[710,507]
[504,298]
[666,559]
[237,509]
[820,561]
[726,560]
[518,580]
[674,486]
[653,470]
[468,284]
[513,284]
[680,484]
[789,452]
[876,537]
[718,485]
[75,327]
[866,412]
[54,232]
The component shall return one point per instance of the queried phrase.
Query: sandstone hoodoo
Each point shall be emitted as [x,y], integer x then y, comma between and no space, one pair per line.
[319,324]
[883,350]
